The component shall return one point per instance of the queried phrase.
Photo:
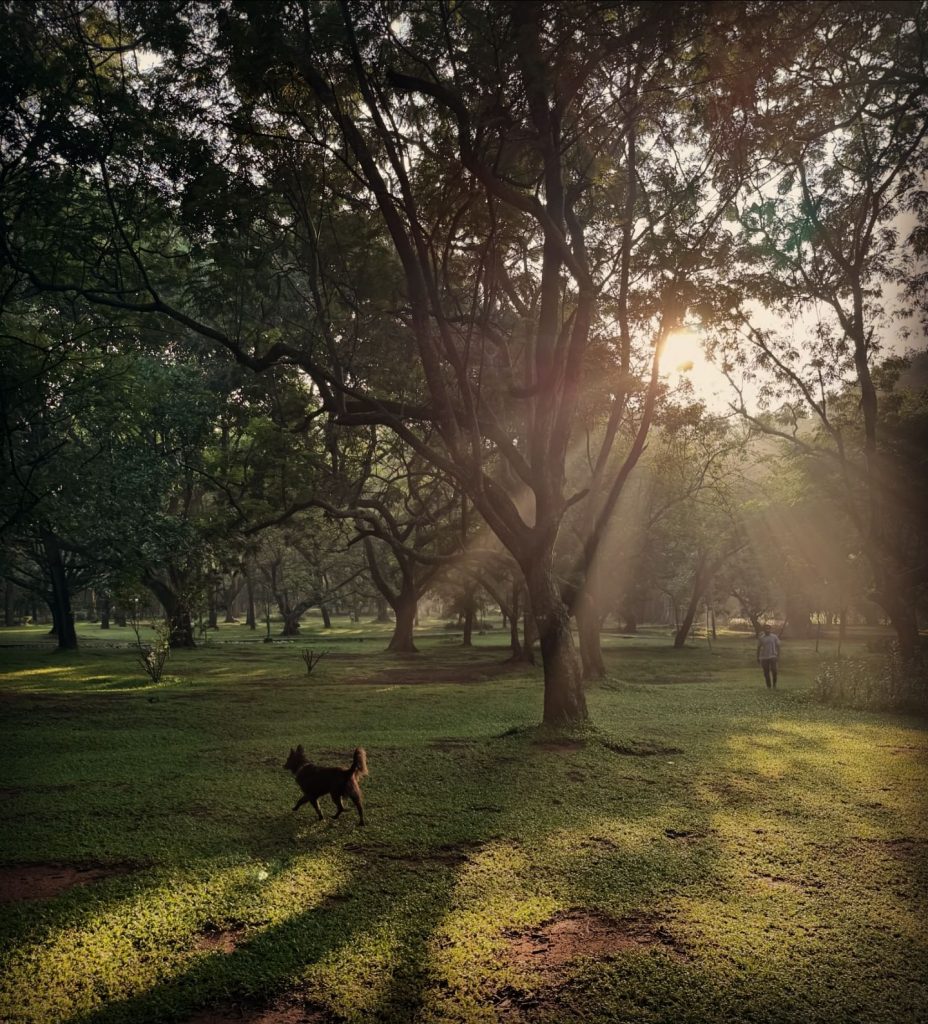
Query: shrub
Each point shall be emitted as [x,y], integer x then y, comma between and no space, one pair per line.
[737,625]
[887,682]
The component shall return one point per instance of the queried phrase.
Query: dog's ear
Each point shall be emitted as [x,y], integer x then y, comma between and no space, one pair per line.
[299,749]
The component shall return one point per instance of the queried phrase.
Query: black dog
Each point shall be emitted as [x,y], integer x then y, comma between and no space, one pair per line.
[337,782]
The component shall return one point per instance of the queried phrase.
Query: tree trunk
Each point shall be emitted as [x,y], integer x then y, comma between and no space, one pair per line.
[405,610]
[212,620]
[905,623]
[105,611]
[291,625]
[251,617]
[588,628]
[60,602]
[119,615]
[683,630]
[564,699]
[529,634]
[468,625]
[177,614]
[383,614]
[326,618]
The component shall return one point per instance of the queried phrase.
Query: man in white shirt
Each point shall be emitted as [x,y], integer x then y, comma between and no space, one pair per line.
[768,650]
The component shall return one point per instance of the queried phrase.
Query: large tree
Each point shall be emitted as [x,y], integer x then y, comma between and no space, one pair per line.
[834,231]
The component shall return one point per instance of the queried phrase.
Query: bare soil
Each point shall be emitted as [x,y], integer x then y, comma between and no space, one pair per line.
[220,940]
[587,933]
[45,881]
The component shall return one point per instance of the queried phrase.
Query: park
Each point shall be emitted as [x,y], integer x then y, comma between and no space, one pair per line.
[505,423]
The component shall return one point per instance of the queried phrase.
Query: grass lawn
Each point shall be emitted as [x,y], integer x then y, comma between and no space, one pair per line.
[707,851]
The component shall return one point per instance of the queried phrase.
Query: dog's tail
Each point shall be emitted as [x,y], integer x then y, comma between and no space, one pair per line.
[359,764]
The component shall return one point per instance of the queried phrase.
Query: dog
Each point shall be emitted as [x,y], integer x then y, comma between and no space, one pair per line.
[337,782]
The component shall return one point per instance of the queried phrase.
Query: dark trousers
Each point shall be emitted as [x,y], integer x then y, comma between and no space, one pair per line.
[769,665]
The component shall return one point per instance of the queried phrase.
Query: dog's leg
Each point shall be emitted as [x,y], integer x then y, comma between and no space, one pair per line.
[356,800]
[338,805]
[300,802]
[315,802]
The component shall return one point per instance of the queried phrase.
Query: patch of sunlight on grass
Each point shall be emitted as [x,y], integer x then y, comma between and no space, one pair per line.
[357,976]
[148,938]
[494,892]
[27,673]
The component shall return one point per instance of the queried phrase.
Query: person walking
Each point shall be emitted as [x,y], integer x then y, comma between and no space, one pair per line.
[768,650]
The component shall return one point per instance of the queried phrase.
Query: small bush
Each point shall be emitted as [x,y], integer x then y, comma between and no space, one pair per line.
[740,625]
[881,683]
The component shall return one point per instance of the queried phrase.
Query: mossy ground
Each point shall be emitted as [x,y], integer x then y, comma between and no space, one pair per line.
[778,847]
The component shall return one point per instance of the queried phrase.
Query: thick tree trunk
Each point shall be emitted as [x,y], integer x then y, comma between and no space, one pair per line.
[468,626]
[105,611]
[326,618]
[119,616]
[905,623]
[564,699]
[291,625]
[404,608]
[177,614]
[588,628]
[212,620]
[60,597]
[383,613]
[529,633]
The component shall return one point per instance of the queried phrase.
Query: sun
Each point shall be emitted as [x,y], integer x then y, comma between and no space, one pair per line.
[683,359]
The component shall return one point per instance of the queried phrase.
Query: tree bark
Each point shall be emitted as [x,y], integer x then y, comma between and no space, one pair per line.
[529,633]
[468,623]
[589,630]
[251,613]
[291,625]
[326,618]
[404,607]
[105,611]
[383,614]
[564,699]
[180,623]
[60,596]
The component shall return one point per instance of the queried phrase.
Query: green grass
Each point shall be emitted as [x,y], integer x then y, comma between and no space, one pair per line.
[800,892]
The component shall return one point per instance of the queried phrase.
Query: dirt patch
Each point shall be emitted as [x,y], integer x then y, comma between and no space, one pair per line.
[577,933]
[279,1014]
[45,881]
[685,835]
[640,748]
[777,882]
[220,940]
[902,848]
[561,746]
